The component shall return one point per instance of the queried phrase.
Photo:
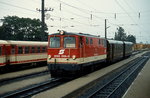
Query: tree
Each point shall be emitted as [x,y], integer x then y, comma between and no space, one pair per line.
[120,35]
[131,38]
[15,28]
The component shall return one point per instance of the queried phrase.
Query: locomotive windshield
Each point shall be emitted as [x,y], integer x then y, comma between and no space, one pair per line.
[55,42]
[69,42]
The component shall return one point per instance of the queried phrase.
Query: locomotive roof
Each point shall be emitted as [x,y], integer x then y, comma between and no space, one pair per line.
[23,42]
[79,34]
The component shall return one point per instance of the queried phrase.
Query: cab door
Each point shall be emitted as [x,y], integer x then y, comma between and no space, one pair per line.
[81,47]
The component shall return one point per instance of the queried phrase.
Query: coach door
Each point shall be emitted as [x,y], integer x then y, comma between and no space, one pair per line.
[13,54]
[2,60]
[7,52]
[81,46]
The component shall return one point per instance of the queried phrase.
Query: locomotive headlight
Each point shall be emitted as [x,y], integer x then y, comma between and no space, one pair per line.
[73,57]
[61,32]
[49,56]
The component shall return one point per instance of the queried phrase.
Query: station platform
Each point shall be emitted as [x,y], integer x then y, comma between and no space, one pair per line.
[140,87]
[74,87]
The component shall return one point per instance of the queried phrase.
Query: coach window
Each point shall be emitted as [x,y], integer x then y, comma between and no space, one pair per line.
[27,50]
[35,50]
[32,49]
[12,49]
[43,49]
[0,50]
[20,50]
[54,42]
[46,49]
[87,40]
[91,41]
[38,49]
[69,42]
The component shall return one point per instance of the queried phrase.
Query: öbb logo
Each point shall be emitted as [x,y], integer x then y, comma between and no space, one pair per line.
[61,51]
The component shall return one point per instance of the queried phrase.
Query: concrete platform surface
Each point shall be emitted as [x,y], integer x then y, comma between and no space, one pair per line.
[83,82]
[140,88]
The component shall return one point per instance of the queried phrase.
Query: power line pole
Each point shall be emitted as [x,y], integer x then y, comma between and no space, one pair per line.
[105,29]
[43,10]
[43,19]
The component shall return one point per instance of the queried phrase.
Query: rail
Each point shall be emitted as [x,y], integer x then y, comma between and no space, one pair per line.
[34,89]
[118,84]
[23,77]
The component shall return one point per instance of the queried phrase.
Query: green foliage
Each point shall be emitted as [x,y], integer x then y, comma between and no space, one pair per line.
[121,36]
[15,28]
[131,38]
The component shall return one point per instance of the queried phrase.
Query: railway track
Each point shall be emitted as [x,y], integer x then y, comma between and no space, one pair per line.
[23,77]
[31,90]
[34,89]
[117,84]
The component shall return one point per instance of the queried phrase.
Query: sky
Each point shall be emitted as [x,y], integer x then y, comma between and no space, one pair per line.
[86,16]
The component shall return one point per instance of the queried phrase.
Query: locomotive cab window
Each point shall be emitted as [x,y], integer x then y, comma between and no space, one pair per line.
[54,42]
[69,42]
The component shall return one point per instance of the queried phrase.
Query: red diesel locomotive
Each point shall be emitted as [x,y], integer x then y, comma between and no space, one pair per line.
[70,53]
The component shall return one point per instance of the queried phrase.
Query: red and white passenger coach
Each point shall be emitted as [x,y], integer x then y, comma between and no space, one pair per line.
[22,52]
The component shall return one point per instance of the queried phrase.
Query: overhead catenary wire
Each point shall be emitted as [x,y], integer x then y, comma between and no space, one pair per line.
[138,26]
[88,12]
[96,11]
[101,18]
[81,14]
[18,7]
[12,11]
[84,11]
[69,20]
